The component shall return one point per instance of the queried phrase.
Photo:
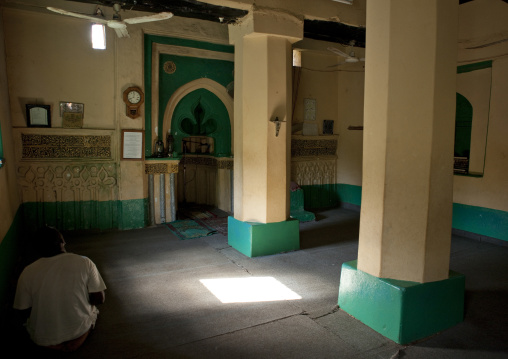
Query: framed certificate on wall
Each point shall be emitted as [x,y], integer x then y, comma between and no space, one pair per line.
[133,143]
[38,115]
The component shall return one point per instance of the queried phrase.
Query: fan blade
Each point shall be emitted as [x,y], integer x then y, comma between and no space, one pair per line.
[156,17]
[92,18]
[121,32]
[338,52]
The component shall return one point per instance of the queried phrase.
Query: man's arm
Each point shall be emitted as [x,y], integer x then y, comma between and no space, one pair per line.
[97,298]
[20,317]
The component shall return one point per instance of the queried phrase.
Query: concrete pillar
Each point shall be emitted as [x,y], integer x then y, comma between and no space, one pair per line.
[410,75]
[406,215]
[263,60]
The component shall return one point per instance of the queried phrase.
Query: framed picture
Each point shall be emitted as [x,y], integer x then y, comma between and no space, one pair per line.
[72,114]
[38,115]
[133,144]
[328,127]
[73,107]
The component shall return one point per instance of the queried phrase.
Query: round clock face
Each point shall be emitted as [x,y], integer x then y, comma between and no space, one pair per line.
[134,96]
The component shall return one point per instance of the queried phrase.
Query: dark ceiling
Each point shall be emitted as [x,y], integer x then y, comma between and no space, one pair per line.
[313,29]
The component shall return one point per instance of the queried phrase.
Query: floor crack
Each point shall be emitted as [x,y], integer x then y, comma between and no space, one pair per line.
[241,329]
[334,310]
[233,261]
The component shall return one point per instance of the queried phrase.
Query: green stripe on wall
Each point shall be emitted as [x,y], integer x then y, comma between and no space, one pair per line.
[474,67]
[479,220]
[320,196]
[133,213]
[485,221]
[331,195]
[349,193]
[75,215]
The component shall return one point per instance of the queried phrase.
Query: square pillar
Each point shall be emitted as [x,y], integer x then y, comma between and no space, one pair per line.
[263,89]
[400,310]
[406,214]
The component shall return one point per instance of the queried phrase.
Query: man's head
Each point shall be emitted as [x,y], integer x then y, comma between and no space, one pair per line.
[49,241]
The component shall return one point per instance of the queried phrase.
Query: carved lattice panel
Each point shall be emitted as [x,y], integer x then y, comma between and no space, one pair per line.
[69,196]
[51,183]
[49,146]
[313,172]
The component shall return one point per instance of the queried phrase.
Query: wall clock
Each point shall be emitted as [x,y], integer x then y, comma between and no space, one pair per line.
[133,98]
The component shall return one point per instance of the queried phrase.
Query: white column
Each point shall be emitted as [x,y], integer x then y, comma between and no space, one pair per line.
[263,60]
[411,59]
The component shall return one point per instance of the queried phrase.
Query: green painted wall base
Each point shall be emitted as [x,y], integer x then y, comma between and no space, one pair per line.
[478,220]
[261,239]
[484,221]
[402,311]
[78,215]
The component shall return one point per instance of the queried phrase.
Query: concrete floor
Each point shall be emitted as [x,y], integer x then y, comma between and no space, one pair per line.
[156,306]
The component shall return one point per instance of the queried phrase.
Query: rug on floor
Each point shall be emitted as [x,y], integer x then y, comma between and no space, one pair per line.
[189,229]
[200,212]
[220,224]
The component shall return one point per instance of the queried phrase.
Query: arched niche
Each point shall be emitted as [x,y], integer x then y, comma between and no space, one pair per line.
[184,102]
[463,126]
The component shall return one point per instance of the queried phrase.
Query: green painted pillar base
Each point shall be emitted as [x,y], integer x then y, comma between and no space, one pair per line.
[262,239]
[402,311]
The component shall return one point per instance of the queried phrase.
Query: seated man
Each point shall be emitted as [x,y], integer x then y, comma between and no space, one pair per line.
[59,293]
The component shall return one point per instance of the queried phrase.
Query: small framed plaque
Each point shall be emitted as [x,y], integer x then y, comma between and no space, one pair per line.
[38,115]
[133,143]
[72,114]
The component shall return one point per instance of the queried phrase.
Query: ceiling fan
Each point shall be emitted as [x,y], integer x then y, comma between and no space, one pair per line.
[116,23]
[350,58]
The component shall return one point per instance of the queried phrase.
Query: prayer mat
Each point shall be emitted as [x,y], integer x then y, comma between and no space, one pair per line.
[200,212]
[219,224]
[189,229]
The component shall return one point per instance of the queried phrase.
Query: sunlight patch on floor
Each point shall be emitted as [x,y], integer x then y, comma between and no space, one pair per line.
[250,289]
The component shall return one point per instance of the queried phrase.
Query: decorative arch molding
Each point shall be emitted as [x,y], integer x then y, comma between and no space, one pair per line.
[203,83]
[160,45]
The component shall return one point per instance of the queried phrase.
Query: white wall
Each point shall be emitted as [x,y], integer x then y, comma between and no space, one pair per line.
[481,22]
[350,107]
[483,35]
[50,59]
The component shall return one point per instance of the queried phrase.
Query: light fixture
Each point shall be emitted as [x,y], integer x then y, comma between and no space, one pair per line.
[98,36]
[277,123]
[349,2]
